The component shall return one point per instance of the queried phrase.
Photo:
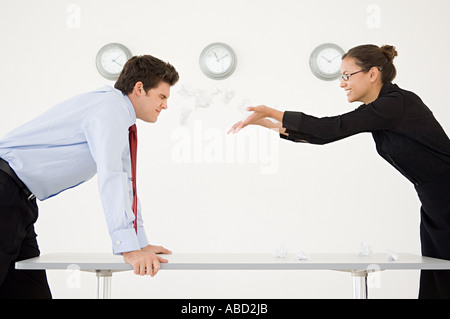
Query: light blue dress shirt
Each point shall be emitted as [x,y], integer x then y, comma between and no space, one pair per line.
[69,144]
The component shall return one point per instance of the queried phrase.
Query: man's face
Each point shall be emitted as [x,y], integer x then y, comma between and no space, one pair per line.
[149,105]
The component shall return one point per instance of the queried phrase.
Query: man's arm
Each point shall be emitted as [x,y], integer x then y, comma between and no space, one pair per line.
[107,137]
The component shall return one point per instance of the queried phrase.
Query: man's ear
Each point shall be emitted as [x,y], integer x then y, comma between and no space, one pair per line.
[139,88]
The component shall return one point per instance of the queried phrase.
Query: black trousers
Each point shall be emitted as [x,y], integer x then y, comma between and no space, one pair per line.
[18,242]
[435,236]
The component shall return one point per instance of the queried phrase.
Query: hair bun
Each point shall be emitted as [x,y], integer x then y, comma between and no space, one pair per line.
[390,52]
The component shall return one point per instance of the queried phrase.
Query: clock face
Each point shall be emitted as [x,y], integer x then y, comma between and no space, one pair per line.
[111,59]
[325,61]
[218,61]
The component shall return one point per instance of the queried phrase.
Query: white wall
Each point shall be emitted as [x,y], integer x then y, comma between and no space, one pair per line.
[305,197]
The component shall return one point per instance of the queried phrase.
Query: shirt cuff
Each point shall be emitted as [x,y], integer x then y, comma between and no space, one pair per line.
[125,240]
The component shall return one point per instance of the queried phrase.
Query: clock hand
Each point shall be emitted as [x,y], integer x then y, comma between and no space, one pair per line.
[223,57]
[217,58]
[117,62]
[329,61]
[114,60]
[335,57]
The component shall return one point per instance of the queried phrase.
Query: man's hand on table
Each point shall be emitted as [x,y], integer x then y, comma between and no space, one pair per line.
[145,261]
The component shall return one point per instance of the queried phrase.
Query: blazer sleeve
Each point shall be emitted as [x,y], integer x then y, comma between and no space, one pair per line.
[385,113]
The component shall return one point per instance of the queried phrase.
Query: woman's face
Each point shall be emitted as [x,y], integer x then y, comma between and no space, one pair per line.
[360,86]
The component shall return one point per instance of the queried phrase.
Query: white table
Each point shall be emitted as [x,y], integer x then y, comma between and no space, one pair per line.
[104,265]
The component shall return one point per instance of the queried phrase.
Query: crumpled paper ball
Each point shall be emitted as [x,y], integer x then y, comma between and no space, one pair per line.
[301,255]
[280,252]
[392,255]
[364,249]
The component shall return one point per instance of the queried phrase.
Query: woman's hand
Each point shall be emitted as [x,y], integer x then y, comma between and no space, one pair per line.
[260,116]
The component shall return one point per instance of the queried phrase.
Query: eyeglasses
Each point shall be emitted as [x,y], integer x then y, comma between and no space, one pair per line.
[345,77]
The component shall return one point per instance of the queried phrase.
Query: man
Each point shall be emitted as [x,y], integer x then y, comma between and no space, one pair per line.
[68,145]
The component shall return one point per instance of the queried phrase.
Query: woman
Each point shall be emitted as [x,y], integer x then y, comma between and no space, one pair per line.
[406,135]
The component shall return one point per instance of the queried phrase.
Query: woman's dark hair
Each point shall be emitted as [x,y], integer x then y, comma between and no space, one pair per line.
[368,56]
[148,70]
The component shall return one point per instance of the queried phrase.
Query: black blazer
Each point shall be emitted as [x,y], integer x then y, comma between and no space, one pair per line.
[406,133]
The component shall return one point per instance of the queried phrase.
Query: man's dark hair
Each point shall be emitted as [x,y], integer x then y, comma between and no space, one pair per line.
[148,70]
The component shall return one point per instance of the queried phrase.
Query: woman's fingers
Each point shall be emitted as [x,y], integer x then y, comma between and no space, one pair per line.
[235,128]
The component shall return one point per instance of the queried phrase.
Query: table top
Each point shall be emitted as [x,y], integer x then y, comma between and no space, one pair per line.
[224,261]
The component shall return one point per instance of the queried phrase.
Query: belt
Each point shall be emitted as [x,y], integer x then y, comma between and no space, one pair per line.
[4,166]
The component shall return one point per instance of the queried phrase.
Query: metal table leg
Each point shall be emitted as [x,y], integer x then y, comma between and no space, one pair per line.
[104,284]
[359,284]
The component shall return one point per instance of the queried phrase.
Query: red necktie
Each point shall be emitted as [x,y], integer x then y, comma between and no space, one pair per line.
[132,137]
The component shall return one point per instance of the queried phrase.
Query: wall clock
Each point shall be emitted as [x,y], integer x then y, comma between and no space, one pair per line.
[110,60]
[325,61]
[218,61]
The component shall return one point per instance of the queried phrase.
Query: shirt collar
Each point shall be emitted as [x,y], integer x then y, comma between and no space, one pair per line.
[125,97]
[130,108]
